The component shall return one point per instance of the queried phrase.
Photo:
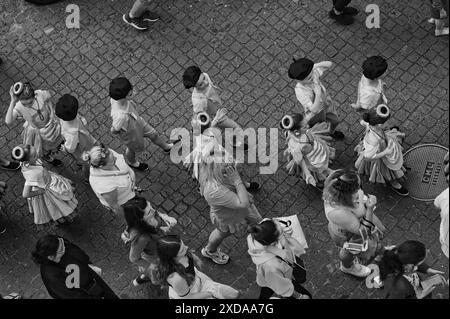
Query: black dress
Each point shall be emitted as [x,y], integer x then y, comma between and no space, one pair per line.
[91,286]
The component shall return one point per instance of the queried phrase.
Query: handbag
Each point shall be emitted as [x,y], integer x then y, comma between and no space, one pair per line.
[365,245]
[292,228]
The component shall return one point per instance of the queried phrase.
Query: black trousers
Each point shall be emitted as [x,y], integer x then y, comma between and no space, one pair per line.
[266,292]
[339,5]
[108,293]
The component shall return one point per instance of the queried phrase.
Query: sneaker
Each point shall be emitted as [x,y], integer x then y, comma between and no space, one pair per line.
[2,229]
[55,162]
[430,20]
[342,18]
[12,166]
[401,191]
[338,135]
[150,16]
[137,23]
[444,31]
[254,187]
[350,11]
[218,257]
[356,270]
[141,167]
[141,279]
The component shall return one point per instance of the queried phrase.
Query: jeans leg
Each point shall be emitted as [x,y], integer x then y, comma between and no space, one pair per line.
[339,5]
[265,293]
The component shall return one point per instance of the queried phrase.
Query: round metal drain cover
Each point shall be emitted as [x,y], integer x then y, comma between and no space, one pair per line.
[426,179]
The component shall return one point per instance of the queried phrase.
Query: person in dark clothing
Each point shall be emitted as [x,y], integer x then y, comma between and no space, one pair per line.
[61,262]
[342,13]
[398,271]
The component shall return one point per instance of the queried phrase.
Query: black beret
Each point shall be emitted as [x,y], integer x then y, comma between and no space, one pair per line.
[67,107]
[119,88]
[374,67]
[300,69]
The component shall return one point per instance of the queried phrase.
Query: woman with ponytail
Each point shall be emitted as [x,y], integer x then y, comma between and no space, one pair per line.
[144,226]
[380,154]
[279,269]
[350,213]
[50,196]
[398,271]
[177,269]
[309,150]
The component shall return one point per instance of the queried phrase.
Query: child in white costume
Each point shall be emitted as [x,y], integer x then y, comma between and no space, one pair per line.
[380,154]
[50,196]
[371,87]
[311,93]
[205,98]
[74,129]
[308,152]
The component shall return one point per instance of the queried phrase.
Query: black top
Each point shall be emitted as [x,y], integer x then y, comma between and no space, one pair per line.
[54,275]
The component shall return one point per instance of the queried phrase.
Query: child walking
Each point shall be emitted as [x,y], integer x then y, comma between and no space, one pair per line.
[312,95]
[50,196]
[380,154]
[371,87]
[205,98]
[129,125]
[308,150]
[73,128]
[41,129]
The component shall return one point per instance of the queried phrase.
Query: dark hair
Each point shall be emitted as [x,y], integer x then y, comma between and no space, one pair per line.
[409,252]
[134,217]
[167,248]
[191,76]
[46,246]
[264,233]
[67,107]
[119,88]
[373,118]
[374,67]
[340,185]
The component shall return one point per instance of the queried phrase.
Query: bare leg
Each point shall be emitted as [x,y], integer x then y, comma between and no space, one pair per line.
[160,142]
[139,8]
[215,239]
[131,157]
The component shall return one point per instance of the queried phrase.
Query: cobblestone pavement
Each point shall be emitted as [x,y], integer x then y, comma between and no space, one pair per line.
[246,47]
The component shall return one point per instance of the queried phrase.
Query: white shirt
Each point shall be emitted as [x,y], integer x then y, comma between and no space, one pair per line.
[442,202]
[304,90]
[103,181]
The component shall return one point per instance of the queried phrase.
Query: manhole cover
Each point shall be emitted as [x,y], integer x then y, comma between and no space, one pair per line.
[426,179]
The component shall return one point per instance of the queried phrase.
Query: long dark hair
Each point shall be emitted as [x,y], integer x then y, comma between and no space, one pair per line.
[46,246]
[167,248]
[134,214]
[393,261]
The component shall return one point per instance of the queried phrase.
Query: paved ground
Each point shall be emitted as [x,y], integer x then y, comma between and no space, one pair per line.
[246,47]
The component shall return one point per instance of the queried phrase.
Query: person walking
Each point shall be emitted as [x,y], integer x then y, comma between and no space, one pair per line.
[276,256]
[42,129]
[59,260]
[177,269]
[139,15]
[350,213]
[50,196]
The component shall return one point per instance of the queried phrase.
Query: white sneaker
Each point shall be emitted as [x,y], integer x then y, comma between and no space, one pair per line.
[430,20]
[357,270]
[444,31]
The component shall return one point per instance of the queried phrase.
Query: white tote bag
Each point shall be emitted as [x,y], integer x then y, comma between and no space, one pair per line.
[292,228]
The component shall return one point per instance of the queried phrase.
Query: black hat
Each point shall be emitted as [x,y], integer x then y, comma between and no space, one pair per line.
[300,69]
[374,67]
[67,107]
[119,88]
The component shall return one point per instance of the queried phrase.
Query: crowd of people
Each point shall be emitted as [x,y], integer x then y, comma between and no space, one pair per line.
[159,254]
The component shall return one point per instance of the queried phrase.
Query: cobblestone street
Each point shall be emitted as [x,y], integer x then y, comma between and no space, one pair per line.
[246,48]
